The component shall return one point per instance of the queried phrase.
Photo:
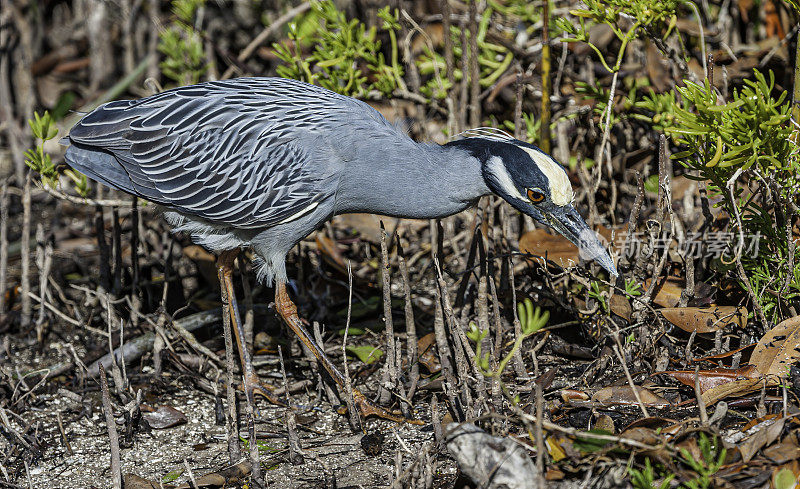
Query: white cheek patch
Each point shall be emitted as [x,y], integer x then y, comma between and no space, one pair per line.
[498,170]
[560,187]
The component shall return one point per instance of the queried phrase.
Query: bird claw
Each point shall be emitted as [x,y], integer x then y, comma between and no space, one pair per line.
[368,408]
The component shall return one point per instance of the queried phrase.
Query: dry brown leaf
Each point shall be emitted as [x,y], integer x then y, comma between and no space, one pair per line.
[624,394]
[649,436]
[205,261]
[736,388]
[705,319]
[226,477]
[427,357]
[553,474]
[621,306]
[570,395]
[783,452]
[557,248]
[605,423]
[133,481]
[164,417]
[668,294]
[761,438]
[709,379]
[777,350]
[772,21]
[330,252]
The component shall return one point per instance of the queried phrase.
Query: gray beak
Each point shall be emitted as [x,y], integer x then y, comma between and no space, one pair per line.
[570,224]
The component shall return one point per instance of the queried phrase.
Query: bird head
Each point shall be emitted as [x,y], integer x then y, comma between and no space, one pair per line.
[535,184]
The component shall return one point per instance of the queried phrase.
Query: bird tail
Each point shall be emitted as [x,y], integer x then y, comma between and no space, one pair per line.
[99,165]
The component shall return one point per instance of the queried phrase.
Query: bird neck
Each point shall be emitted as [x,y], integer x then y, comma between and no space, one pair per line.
[409,179]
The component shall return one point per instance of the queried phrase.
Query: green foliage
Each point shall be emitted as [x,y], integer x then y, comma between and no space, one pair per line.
[171,476]
[599,295]
[43,129]
[367,354]
[632,288]
[531,320]
[745,139]
[532,127]
[346,55]
[493,59]
[184,57]
[713,456]
[646,478]
[624,17]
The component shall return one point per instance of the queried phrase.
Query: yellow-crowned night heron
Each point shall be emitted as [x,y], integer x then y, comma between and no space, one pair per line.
[263,162]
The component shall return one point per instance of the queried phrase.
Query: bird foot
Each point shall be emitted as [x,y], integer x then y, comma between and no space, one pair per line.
[368,408]
[252,385]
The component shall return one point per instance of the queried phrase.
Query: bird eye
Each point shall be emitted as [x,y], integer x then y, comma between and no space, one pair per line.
[535,195]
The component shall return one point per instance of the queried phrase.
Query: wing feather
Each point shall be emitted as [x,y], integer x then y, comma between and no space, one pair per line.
[242,152]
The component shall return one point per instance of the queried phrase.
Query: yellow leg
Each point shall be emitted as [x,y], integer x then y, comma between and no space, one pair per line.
[288,311]
[251,382]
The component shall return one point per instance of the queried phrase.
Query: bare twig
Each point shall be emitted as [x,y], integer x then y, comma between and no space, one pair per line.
[355,415]
[411,327]
[25,241]
[116,467]
[701,404]
[634,388]
[4,203]
[474,77]
[389,377]
[293,440]
[546,79]
[265,34]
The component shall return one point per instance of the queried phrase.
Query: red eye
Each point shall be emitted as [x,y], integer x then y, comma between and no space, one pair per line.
[535,196]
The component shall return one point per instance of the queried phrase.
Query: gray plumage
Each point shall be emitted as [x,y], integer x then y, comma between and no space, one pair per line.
[263,162]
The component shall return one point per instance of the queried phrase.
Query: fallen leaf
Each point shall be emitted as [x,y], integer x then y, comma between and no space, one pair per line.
[554,448]
[621,306]
[777,350]
[164,417]
[365,353]
[624,394]
[557,248]
[649,436]
[330,252]
[227,477]
[553,474]
[205,261]
[366,226]
[709,379]
[782,452]
[734,388]
[170,477]
[668,293]
[133,481]
[772,21]
[605,423]
[427,355]
[705,319]
[571,395]
[760,439]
